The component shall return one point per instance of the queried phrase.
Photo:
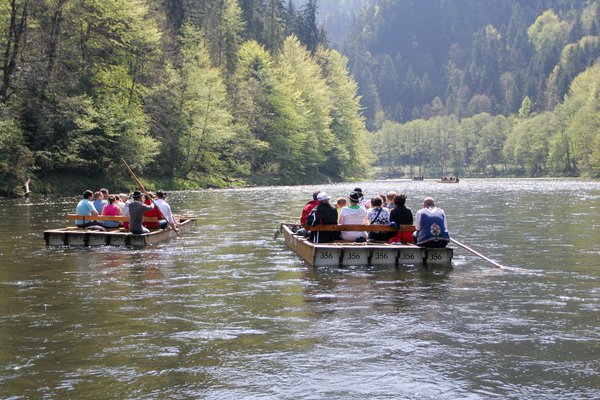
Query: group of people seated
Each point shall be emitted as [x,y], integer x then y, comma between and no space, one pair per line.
[450,179]
[136,206]
[431,229]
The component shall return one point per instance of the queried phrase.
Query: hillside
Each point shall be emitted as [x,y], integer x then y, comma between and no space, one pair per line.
[468,56]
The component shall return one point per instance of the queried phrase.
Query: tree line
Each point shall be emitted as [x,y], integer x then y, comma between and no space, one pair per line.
[412,59]
[478,87]
[194,93]
[562,142]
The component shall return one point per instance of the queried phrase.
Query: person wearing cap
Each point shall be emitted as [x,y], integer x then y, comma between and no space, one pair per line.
[136,214]
[354,214]
[431,229]
[323,214]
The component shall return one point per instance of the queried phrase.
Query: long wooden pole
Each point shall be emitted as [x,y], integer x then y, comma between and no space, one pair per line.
[146,193]
[494,263]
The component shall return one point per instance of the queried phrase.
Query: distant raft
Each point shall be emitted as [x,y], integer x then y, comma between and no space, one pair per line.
[74,236]
[343,253]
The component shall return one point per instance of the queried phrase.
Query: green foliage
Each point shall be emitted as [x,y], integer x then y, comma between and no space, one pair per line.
[316,104]
[474,56]
[349,156]
[16,160]
[199,102]
[220,92]
[547,32]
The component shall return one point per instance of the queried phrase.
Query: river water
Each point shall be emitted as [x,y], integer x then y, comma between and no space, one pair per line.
[228,312]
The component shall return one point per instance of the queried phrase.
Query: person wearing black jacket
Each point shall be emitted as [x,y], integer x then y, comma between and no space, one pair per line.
[323,214]
[400,215]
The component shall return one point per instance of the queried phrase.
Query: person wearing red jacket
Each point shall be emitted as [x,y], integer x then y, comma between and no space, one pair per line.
[308,207]
[155,212]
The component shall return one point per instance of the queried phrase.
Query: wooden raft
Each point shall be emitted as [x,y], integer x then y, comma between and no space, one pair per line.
[74,236]
[344,253]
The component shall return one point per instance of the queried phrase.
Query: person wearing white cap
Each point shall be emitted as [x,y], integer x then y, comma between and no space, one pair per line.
[431,227]
[323,214]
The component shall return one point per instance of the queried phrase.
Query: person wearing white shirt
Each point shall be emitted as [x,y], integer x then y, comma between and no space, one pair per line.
[353,215]
[165,209]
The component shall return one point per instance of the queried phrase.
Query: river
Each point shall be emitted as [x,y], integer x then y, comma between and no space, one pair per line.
[228,312]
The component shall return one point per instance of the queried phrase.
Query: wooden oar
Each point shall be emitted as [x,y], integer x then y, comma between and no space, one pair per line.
[146,193]
[494,263]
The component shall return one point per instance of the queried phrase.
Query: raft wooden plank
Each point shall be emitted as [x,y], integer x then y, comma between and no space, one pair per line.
[76,238]
[383,255]
[410,255]
[121,218]
[438,256]
[55,238]
[355,255]
[325,256]
[96,239]
[73,236]
[364,254]
[368,228]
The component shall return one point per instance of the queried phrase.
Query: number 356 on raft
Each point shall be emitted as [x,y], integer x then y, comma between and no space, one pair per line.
[363,254]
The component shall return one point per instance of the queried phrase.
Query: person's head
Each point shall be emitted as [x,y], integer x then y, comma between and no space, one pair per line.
[161,194]
[123,197]
[390,196]
[322,197]
[98,196]
[315,194]
[137,195]
[341,202]
[111,199]
[354,198]
[104,192]
[88,194]
[384,198]
[376,201]
[400,199]
[148,196]
[359,192]
[428,202]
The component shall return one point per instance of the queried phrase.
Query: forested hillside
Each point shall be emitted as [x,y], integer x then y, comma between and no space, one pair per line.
[231,92]
[191,93]
[486,83]
[470,55]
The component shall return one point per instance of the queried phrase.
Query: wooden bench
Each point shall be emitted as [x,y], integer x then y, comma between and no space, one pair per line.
[120,218]
[368,228]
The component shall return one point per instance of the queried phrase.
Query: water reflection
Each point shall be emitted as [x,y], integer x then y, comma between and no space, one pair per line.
[382,287]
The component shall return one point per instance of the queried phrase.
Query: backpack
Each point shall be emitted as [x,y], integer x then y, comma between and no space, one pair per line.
[314,218]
